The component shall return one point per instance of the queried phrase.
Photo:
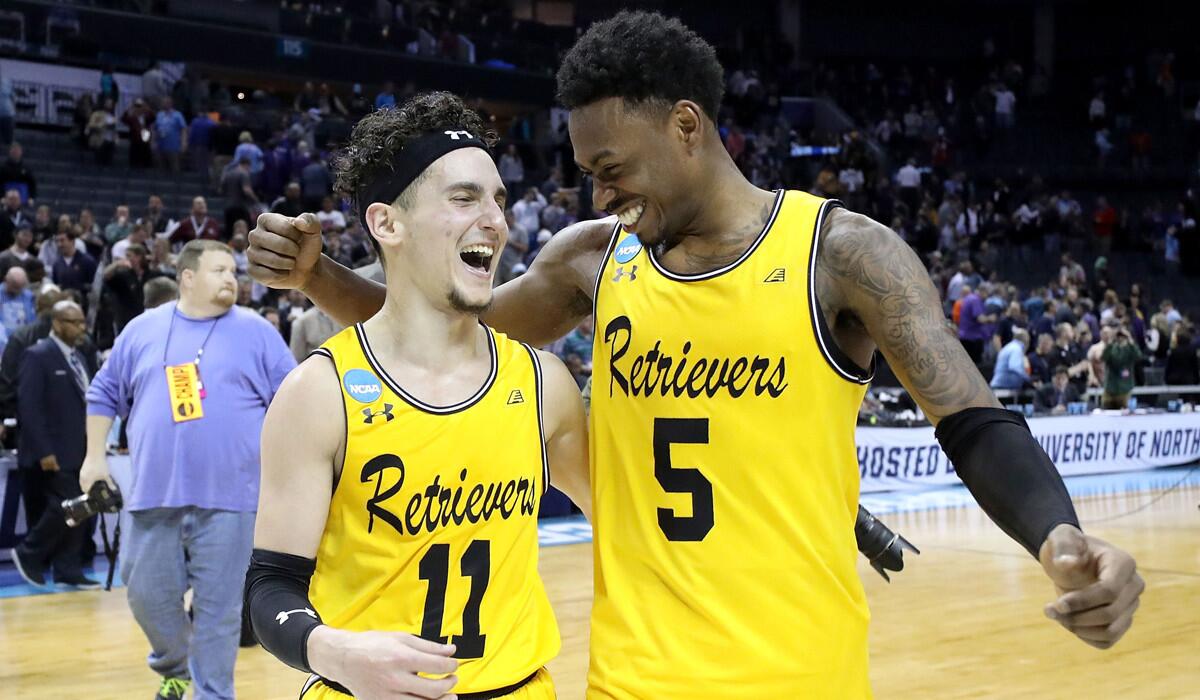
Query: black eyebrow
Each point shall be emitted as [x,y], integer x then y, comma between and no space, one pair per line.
[474,188]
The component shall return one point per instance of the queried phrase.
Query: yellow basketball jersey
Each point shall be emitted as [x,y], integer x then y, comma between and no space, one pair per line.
[724,478]
[432,529]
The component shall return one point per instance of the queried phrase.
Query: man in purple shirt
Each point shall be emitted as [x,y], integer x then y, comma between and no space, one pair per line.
[974,321]
[193,380]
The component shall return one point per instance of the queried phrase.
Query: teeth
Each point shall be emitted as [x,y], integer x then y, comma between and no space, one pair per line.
[630,216]
[485,250]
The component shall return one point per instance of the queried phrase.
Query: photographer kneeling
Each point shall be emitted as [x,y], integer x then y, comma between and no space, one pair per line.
[193,380]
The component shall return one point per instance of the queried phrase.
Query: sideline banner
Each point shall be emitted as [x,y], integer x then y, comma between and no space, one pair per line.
[893,459]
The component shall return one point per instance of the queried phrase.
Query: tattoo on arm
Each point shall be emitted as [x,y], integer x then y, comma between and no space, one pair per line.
[881,281]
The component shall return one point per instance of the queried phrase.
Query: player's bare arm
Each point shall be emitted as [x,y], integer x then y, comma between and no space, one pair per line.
[301,453]
[566,433]
[870,281]
[538,307]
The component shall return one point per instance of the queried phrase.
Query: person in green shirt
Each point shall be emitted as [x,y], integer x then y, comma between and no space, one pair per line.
[1120,357]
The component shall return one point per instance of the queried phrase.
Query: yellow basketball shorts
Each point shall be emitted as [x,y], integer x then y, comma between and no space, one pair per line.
[540,687]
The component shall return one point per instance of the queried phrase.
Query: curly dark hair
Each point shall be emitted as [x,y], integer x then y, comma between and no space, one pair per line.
[379,136]
[642,57]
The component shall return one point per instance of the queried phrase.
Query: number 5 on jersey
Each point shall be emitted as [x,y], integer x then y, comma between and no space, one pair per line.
[690,431]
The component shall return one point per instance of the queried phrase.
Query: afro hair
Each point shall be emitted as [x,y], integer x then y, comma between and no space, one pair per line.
[643,58]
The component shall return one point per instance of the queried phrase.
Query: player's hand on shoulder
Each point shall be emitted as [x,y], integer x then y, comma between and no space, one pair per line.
[284,250]
[384,665]
[1098,585]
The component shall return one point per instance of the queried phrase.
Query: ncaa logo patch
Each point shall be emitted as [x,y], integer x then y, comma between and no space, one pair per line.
[627,249]
[362,386]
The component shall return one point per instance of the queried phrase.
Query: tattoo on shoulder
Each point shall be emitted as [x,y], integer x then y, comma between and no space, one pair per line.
[888,287]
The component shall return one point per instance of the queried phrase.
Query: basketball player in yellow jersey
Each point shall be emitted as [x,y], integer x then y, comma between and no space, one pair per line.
[735,330]
[408,454]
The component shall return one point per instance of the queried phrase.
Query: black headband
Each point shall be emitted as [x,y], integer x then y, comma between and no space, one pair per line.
[410,162]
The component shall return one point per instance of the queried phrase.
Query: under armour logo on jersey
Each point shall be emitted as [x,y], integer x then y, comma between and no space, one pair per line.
[516,397]
[370,415]
[283,616]
[632,274]
[777,275]
[455,134]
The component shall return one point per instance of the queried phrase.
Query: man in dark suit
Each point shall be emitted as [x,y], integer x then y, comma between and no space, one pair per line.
[52,412]
[1055,396]
[73,271]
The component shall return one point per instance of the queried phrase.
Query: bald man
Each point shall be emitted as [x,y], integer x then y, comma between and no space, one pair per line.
[16,301]
[52,412]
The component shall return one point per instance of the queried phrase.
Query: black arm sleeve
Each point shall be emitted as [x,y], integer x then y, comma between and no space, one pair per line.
[280,612]
[1007,472]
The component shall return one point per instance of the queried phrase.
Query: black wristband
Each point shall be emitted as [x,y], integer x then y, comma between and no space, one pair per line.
[280,612]
[1008,473]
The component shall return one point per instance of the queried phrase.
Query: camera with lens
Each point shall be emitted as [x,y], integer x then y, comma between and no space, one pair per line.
[102,497]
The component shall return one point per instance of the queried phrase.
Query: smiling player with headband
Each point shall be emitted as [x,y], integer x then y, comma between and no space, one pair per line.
[396,546]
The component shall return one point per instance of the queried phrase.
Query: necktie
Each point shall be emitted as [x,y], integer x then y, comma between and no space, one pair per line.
[77,367]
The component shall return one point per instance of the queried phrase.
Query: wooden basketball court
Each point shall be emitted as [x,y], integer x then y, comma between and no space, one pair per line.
[964,620]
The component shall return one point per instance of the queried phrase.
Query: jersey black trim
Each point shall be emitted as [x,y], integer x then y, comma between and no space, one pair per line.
[414,401]
[608,252]
[325,352]
[537,383]
[779,194]
[838,360]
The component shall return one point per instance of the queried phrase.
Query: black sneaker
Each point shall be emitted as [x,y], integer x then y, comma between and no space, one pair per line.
[34,576]
[173,689]
[81,582]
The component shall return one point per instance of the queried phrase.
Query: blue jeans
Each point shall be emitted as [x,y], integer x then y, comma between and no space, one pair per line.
[168,550]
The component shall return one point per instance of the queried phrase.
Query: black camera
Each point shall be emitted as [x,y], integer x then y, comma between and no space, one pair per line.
[881,546]
[102,497]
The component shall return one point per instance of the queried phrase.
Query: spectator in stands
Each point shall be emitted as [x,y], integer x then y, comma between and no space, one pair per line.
[195,485]
[387,96]
[1041,360]
[1055,396]
[16,301]
[512,169]
[197,225]
[155,86]
[53,380]
[36,270]
[1097,111]
[159,291]
[328,103]
[238,244]
[1014,317]
[332,220]
[84,106]
[248,150]
[316,182]
[87,223]
[1069,354]
[238,190]
[8,110]
[307,98]
[156,219]
[1012,368]
[1183,361]
[139,234]
[577,351]
[245,292]
[359,104]
[140,121]
[1104,147]
[311,330]
[44,227]
[200,142]
[101,132]
[1095,357]
[12,217]
[1119,357]
[290,204]
[19,252]
[170,132]
[908,179]
[120,226]
[124,283]
[15,174]
[528,210]
[974,323]
[74,270]
[18,342]
[1071,272]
